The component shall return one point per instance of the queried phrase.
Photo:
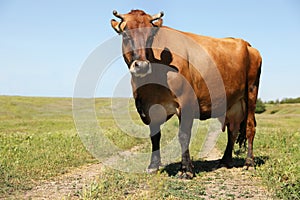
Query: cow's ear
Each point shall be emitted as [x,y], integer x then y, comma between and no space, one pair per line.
[115,25]
[158,23]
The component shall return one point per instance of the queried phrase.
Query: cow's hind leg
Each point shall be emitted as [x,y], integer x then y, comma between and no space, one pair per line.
[252,92]
[155,156]
[187,168]
[250,127]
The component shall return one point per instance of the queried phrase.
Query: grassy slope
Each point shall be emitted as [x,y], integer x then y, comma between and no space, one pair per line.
[277,149]
[38,140]
[277,154]
[278,140]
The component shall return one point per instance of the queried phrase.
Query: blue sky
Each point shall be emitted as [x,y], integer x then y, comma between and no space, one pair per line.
[43,44]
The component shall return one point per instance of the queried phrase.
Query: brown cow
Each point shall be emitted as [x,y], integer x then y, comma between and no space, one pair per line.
[192,76]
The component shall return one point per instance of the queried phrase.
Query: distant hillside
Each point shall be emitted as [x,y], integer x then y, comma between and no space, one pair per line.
[293,108]
[18,107]
[285,100]
[49,107]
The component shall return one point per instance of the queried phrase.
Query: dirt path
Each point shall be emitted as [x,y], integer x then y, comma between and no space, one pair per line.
[234,183]
[66,186]
[221,183]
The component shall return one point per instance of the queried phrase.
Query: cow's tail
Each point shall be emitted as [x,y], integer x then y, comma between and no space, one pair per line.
[254,55]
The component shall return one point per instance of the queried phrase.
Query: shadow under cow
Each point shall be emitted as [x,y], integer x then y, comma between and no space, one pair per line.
[212,165]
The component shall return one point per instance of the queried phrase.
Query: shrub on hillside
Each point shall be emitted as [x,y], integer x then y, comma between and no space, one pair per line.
[260,106]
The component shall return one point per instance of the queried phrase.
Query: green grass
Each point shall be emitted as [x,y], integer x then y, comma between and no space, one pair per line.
[38,141]
[120,185]
[277,149]
[112,129]
[278,139]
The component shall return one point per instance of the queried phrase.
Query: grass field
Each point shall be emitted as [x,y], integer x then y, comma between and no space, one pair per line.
[278,140]
[38,141]
[277,145]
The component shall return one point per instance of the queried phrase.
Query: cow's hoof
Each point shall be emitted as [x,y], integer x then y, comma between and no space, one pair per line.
[249,164]
[248,168]
[152,170]
[185,175]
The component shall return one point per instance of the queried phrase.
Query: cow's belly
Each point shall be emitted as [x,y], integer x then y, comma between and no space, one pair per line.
[234,116]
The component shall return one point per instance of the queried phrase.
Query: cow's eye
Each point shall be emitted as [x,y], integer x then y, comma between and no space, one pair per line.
[126,38]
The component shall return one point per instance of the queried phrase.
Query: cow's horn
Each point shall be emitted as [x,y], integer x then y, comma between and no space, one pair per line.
[157,16]
[115,13]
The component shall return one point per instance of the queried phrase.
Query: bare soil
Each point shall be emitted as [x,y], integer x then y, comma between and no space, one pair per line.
[220,183]
[66,186]
[234,183]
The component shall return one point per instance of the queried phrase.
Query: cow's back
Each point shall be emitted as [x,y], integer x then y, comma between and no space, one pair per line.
[216,68]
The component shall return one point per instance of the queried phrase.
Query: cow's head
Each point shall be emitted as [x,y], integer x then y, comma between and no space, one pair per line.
[137,29]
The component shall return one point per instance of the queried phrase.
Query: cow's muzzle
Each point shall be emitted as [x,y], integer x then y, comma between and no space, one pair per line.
[140,68]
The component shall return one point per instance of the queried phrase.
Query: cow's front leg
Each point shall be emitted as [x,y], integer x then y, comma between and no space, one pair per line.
[155,155]
[187,168]
[227,157]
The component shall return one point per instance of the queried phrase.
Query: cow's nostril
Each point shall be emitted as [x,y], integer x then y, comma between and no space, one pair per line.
[141,64]
[137,64]
[140,68]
